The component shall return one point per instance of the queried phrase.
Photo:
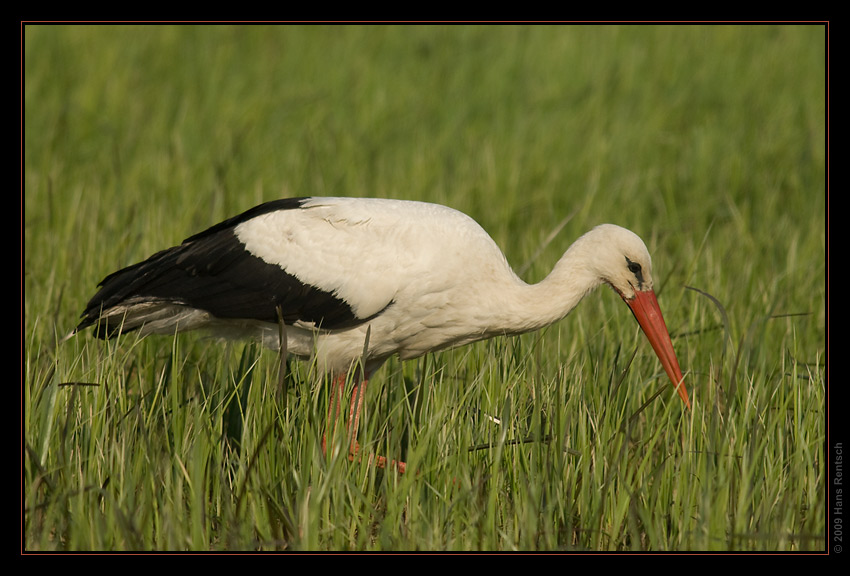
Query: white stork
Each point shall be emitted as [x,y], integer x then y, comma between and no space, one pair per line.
[420,277]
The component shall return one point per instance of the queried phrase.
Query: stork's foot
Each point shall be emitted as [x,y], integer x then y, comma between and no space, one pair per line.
[372,459]
[378,461]
[357,395]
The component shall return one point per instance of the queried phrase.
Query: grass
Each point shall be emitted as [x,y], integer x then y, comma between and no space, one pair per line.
[708,141]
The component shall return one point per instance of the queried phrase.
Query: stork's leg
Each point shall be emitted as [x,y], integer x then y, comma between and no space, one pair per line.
[337,389]
[357,396]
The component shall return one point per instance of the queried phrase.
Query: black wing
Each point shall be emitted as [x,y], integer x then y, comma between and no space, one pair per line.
[213,271]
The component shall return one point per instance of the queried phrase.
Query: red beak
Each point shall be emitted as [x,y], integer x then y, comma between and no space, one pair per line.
[644,306]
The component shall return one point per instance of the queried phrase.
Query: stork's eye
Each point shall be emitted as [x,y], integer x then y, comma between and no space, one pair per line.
[635,269]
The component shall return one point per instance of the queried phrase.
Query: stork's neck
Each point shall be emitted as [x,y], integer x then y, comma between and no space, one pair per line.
[527,307]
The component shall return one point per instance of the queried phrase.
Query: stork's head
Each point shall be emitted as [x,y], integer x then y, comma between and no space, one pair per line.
[622,261]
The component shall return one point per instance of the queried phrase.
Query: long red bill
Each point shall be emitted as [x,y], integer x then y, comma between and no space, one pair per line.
[645,307]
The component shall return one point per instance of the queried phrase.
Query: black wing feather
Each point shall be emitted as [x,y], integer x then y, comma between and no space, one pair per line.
[213,271]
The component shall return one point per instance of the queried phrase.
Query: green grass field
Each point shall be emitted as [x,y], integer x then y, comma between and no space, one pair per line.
[707,141]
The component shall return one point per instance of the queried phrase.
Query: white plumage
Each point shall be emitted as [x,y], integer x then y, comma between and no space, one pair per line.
[411,265]
[418,276]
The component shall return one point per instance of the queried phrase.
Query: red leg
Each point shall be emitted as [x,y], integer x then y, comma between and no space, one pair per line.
[357,396]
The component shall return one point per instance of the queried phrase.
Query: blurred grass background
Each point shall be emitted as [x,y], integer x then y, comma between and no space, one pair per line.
[708,141]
